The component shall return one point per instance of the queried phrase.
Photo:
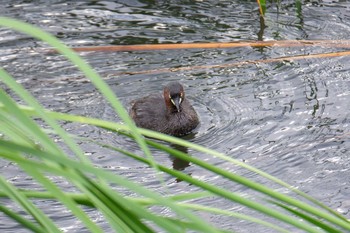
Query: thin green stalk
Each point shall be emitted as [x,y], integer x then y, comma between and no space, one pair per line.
[222,192]
[37,214]
[83,199]
[336,219]
[32,131]
[9,127]
[126,213]
[310,219]
[256,186]
[79,198]
[233,214]
[21,220]
[28,126]
[262,7]
[60,196]
[123,214]
[9,146]
[90,73]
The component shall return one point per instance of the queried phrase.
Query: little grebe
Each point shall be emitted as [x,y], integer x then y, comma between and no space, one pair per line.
[170,113]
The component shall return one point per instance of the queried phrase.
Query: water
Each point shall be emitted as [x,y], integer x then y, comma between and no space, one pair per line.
[289,119]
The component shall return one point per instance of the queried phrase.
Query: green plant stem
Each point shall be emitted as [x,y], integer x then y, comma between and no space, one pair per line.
[337,219]
[90,73]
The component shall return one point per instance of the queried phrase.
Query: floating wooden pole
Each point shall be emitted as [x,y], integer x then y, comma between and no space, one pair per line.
[272,43]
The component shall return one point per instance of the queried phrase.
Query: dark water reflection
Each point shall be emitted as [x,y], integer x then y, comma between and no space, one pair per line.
[290,119]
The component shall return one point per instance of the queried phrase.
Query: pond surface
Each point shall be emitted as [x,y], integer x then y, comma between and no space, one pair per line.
[290,119]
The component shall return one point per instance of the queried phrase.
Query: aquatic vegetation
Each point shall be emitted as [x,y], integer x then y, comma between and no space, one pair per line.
[262,6]
[38,151]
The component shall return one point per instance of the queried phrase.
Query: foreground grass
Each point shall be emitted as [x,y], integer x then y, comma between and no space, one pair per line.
[34,151]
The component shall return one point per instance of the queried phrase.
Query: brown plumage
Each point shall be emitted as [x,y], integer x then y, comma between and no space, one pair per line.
[170,113]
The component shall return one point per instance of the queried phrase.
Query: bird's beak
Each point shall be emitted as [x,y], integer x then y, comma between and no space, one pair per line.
[176,102]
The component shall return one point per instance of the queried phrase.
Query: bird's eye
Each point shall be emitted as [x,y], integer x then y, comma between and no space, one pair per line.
[181,96]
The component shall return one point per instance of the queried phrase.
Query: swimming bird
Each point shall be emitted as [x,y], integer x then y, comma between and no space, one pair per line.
[169,113]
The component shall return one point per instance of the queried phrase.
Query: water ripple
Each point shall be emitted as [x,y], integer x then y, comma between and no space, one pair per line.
[220,117]
[289,119]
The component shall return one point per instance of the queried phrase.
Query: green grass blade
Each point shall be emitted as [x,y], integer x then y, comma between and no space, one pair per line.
[125,210]
[32,131]
[61,171]
[37,214]
[250,184]
[21,220]
[235,215]
[60,196]
[335,218]
[109,198]
[9,128]
[314,221]
[121,211]
[211,209]
[79,198]
[31,101]
[5,145]
[341,221]
[256,186]
[28,126]
[298,5]
[84,200]
[57,193]
[218,191]
[262,7]
[88,71]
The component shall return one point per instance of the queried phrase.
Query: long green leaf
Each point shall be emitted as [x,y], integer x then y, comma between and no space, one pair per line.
[21,220]
[84,200]
[117,209]
[28,126]
[22,200]
[60,195]
[10,146]
[336,219]
[310,219]
[258,187]
[219,191]
[88,71]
